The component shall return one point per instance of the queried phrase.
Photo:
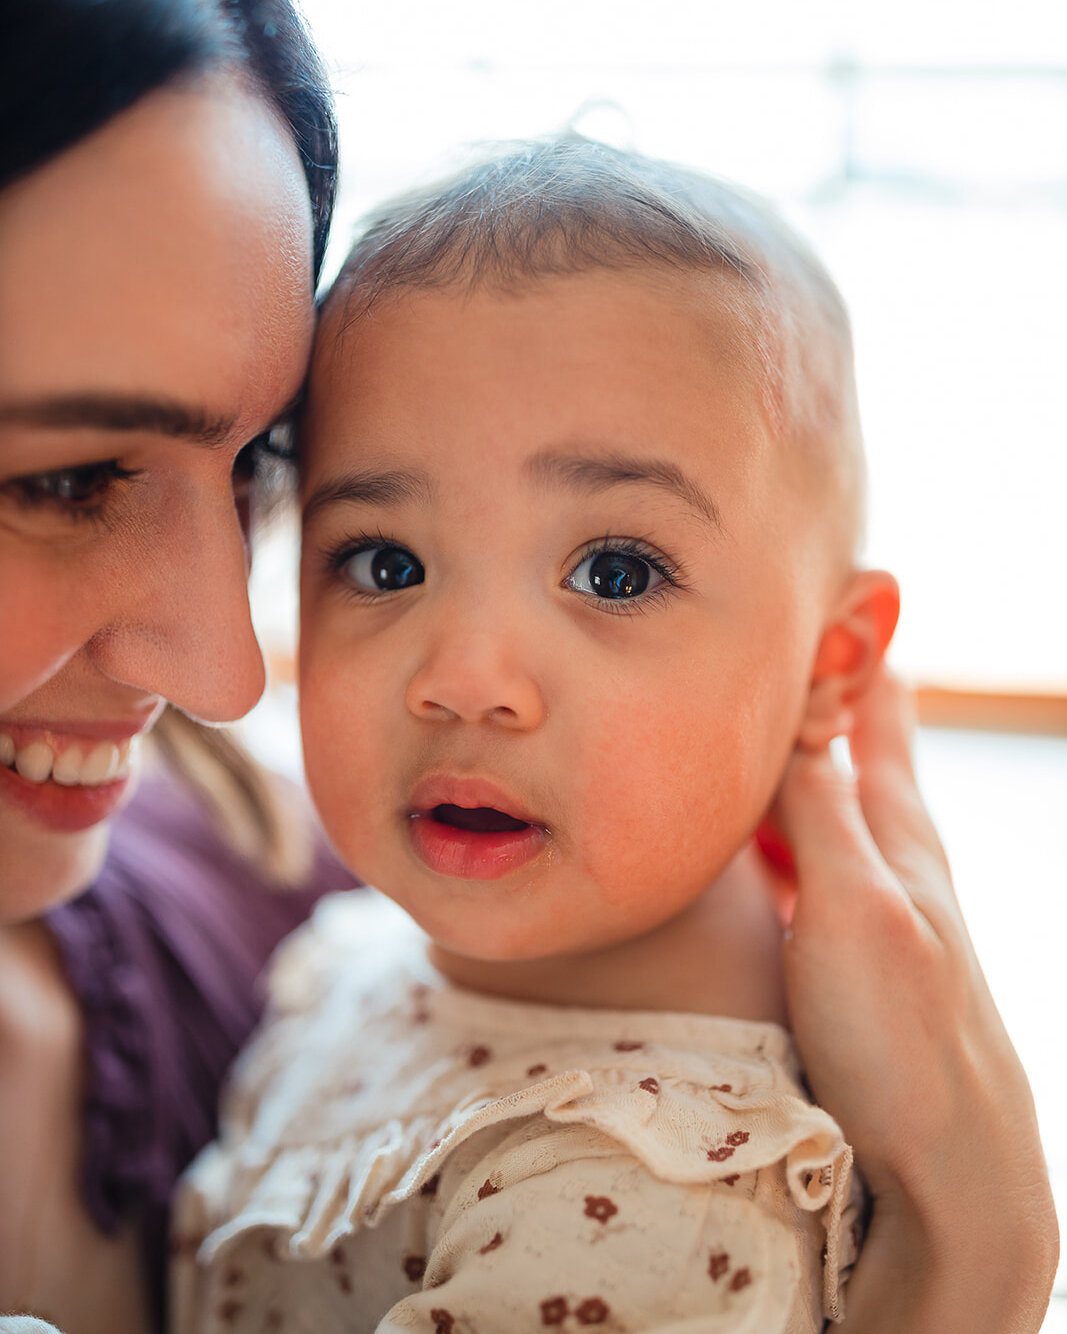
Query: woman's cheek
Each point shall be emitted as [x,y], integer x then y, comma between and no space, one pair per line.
[37,633]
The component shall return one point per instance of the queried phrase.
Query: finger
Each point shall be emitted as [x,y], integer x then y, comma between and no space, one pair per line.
[818,810]
[848,898]
[884,722]
[889,795]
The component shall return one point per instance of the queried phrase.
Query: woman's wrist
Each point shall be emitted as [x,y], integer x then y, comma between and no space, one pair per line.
[938,1264]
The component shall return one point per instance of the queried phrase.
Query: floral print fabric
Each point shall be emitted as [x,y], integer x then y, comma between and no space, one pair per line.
[400,1154]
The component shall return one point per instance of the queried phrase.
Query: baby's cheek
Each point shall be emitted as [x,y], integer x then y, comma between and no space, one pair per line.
[340,756]
[667,799]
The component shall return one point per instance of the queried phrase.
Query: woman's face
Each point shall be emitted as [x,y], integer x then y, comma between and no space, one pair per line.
[155,318]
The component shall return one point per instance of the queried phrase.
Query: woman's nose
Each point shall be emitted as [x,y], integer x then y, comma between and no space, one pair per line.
[182,626]
[476,673]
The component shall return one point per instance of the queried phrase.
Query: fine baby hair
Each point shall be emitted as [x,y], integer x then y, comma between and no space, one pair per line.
[581,482]
[546,208]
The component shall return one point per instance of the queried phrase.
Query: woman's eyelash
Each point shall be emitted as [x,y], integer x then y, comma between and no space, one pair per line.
[82,491]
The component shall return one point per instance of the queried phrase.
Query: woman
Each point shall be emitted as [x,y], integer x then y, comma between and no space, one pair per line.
[166,183]
[157,247]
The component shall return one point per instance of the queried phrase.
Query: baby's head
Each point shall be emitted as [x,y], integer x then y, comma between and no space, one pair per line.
[582,482]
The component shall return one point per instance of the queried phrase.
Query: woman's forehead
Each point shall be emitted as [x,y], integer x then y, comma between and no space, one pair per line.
[168,255]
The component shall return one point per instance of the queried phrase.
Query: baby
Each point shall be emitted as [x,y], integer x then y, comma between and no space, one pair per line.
[582,489]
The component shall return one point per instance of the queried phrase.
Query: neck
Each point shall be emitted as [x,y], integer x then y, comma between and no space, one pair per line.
[721,955]
[40,1091]
[40,1022]
[29,961]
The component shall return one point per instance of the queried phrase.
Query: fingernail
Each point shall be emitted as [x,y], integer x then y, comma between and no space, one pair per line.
[841,756]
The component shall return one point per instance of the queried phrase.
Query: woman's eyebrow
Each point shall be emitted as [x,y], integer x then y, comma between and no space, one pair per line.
[392,486]
[120,412]
[590,473]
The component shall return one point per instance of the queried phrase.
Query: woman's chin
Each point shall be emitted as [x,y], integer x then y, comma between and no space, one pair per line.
[40,869]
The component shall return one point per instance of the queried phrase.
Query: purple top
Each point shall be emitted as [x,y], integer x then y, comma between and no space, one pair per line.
[163,952]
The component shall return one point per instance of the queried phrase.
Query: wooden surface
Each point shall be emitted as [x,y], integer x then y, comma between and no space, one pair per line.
[992,711]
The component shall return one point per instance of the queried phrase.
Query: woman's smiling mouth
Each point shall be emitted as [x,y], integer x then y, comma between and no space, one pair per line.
[68,776]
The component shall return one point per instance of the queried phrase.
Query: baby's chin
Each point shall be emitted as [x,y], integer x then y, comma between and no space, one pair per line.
[492,942]
[495,945]
[529,944]
[536,921]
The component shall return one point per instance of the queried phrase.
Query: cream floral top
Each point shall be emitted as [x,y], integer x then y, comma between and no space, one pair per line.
[400,1154]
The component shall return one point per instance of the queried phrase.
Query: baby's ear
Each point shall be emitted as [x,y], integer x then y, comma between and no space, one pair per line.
[852,645]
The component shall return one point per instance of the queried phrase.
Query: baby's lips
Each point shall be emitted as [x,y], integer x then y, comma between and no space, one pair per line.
[468,792]
[771,842]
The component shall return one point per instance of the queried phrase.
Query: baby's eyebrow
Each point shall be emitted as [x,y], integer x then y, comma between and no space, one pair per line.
[598,472]
[393,486]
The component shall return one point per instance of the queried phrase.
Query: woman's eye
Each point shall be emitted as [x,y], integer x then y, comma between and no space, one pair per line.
[614,574]
[247,464]
[383,569]
[79,490]
[265,457]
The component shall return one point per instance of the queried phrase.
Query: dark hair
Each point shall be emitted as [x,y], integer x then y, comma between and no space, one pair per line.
[68,66]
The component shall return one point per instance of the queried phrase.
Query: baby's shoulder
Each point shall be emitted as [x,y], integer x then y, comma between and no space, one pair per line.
[352,944]
[336,992]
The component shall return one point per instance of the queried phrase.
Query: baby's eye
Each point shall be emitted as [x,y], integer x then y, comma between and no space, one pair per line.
[614,574]
[383,569]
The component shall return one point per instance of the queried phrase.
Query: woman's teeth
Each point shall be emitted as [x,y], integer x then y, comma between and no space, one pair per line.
[92,766]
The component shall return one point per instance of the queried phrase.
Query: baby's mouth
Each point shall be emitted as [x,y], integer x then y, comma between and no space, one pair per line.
[476,819]
[461,837]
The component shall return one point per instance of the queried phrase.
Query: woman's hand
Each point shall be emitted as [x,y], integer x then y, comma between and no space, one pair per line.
[903,1044]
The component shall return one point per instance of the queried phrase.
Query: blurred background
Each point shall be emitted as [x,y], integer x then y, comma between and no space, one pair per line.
[921,145]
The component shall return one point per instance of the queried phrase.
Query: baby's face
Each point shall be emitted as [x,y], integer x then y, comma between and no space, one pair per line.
[560,602]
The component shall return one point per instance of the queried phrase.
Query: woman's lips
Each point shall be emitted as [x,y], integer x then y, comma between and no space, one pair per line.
[471,829]
[69,776]
[65,810]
